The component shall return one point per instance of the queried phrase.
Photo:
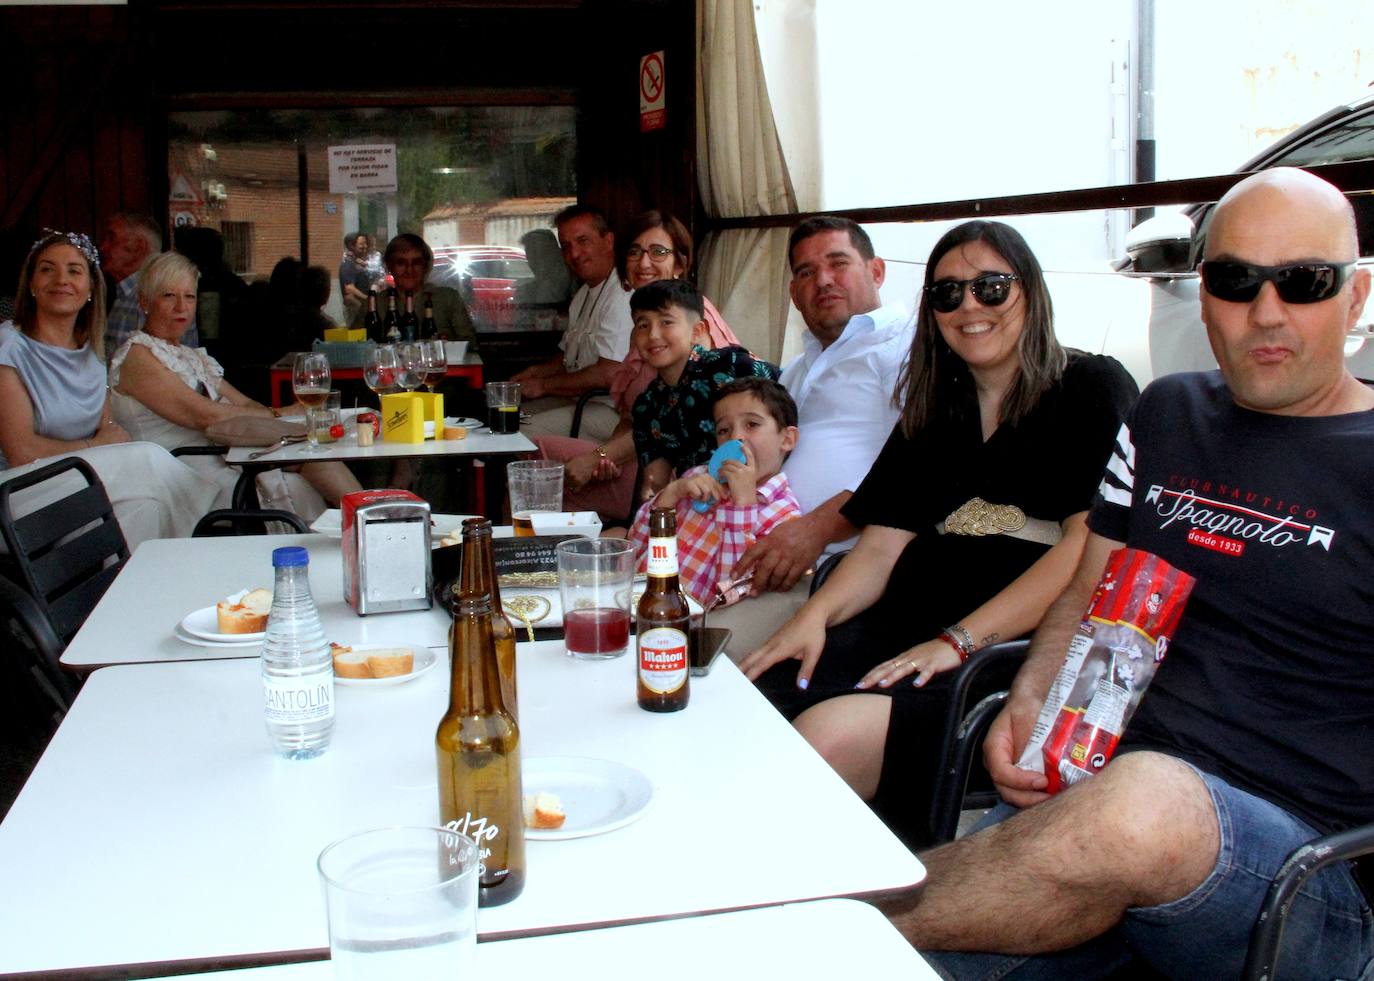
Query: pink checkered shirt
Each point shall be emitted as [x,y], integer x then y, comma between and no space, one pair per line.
[709,545]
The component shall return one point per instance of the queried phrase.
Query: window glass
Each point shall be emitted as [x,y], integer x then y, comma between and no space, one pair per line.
[473,181]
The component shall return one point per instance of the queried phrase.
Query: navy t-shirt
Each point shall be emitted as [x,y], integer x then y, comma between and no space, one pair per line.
[1269,680]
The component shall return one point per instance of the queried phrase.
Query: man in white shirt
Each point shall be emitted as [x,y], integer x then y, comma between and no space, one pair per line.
[843,383]
[597,338]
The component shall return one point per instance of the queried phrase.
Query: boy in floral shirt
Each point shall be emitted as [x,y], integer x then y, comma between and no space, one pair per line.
[750,499]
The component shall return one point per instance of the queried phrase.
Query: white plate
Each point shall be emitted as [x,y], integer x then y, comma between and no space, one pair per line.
[425,659]
[467,422]
[329,524]
[186,638]
[597,795]
[205,625]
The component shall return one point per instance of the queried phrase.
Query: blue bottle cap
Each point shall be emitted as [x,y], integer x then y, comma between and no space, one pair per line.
[289,556]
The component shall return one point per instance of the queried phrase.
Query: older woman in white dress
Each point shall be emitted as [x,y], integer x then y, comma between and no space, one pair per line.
[168,394]
[54,402]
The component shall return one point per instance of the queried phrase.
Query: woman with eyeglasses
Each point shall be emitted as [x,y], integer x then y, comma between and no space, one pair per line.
[54,401]
[601,477]
[973,521]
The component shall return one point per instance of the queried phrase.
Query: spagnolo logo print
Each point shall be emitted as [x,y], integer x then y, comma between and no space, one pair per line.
[479,830]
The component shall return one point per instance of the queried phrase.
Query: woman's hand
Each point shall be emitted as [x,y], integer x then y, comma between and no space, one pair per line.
[582,470]
[926,660]
[802,638]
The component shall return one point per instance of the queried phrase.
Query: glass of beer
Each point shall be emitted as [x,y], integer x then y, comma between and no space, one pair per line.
[401,903]
[595,580]
[503,407]
[535,485]
[310,380]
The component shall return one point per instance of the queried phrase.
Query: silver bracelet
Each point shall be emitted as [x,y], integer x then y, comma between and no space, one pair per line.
[963,638]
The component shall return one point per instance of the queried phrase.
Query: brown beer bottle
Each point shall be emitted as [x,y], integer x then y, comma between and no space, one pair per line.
[478,752]
[479,579]
[663,622]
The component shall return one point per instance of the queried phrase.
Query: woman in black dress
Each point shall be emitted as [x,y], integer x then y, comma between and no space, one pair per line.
[972,516]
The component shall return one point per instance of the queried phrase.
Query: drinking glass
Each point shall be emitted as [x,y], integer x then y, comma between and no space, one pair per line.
[402,903]
[595,580]
[410,365]
[535,485]
[503,407]
[310,380]
[379,369]
[435,362]
[324,420]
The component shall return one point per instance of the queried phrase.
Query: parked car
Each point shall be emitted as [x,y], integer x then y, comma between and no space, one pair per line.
[1165,250]
[486,276]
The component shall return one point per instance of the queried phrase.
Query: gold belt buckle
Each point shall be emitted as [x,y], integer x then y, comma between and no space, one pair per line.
[977,517]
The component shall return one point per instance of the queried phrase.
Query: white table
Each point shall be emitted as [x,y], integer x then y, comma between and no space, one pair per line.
[799,942]
[167,578]
[159,822]
[479,443]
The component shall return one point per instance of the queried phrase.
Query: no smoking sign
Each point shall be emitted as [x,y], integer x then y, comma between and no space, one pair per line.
[651,111]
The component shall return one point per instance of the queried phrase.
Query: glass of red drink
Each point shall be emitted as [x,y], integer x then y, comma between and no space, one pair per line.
[595,580]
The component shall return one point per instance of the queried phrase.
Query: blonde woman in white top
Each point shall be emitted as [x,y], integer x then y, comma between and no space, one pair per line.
[168,394]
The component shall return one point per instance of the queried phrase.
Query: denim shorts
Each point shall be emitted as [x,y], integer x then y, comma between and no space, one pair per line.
[1206,933]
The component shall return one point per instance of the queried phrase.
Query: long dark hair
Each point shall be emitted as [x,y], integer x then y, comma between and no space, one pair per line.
[933,374]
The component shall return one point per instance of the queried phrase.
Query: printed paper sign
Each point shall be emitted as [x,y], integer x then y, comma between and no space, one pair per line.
[651,112]
[362,169]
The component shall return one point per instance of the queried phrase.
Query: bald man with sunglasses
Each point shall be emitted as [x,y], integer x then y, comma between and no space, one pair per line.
[1255,735]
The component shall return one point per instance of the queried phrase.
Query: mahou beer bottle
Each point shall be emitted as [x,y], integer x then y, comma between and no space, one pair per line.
[663,622]
[479,579]
[478,752]
[371,322]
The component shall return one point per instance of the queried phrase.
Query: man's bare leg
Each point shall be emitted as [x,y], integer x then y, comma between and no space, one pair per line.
[1141,833]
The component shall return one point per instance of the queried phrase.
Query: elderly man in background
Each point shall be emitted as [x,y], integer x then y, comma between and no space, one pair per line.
[1252,739]
[127,241]
[843,383]
[597,338]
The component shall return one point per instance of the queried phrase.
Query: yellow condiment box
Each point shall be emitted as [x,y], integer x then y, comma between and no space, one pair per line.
[433,407]
[345,334]
[403,418]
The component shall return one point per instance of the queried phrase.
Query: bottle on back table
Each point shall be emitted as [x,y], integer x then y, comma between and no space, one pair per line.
[428,328]
[477,748]
[410,324]
[372,323]
[664,619]
[478,578]
[297,668]
[393,318]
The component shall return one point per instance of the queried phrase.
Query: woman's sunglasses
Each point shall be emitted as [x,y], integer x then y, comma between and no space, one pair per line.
[989,289]
[1297,282]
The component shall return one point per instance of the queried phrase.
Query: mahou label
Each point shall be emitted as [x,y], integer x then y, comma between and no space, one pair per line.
[663,656]
[662,560]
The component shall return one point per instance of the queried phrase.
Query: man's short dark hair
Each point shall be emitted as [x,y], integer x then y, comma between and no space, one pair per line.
[352,237]
[820,224]
[667,293]
[773,396]
[572,211]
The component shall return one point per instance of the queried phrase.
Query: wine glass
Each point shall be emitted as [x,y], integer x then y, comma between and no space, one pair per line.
[310,380]
[410,365]
[435,362]
[379,369]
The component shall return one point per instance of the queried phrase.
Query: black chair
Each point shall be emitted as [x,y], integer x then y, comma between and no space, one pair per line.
[581,405]
[229,521]
[245,496]
[824,568]
[65,554]
[36,637]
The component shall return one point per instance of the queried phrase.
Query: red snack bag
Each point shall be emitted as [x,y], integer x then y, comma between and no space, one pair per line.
[1110,662]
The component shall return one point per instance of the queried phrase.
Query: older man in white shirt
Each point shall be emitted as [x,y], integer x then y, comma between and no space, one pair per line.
[843,383]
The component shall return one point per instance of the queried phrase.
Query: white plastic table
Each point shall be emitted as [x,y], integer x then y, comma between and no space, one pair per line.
[167,578]
[479,443]
[799,942]
[159,822]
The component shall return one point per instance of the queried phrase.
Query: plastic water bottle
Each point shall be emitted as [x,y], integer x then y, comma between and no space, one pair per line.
[297,669]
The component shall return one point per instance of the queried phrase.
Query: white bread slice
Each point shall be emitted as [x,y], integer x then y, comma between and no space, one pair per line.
[544,811]
[390,662]
[349,663]
[246,615]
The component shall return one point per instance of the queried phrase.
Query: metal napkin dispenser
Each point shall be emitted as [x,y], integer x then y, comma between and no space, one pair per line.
[386,552]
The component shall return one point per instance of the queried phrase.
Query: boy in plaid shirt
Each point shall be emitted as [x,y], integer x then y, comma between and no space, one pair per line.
[750,499]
